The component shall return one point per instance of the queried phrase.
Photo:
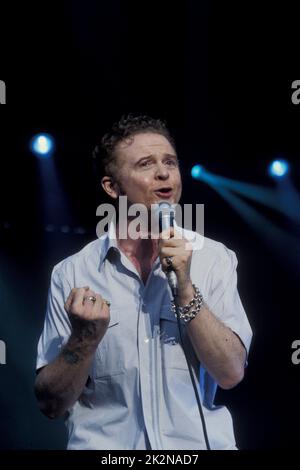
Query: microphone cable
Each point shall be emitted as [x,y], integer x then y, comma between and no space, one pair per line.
[200,408]
[166,216]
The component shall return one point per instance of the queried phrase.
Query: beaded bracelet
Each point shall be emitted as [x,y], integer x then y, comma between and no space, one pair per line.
[185,312]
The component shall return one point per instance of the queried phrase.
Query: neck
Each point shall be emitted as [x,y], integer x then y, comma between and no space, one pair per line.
[145,246]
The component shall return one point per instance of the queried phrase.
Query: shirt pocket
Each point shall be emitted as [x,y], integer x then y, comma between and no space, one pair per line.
[171,349]
[108,360]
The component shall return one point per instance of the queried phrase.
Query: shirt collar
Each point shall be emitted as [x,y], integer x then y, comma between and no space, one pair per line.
[109,240]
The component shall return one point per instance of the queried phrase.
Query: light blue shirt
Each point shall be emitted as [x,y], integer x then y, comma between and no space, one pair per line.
[140,395]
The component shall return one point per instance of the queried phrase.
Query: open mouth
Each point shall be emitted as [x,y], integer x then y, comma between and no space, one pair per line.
[164,192]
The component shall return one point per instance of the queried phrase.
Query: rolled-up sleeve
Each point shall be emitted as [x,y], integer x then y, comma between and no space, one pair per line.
[224,300]
[57,328]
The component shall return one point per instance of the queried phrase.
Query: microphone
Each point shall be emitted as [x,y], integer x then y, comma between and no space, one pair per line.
[166,215]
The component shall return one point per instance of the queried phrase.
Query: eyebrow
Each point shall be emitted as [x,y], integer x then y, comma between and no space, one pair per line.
[168,155]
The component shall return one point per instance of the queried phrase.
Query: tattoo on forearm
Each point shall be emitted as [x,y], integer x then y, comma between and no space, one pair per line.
[71,357]
[83,329]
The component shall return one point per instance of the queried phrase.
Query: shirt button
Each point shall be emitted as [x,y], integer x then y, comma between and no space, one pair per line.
[146,340]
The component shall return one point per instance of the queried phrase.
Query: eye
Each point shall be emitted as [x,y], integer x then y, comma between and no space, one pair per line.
[145,163]
[171,162]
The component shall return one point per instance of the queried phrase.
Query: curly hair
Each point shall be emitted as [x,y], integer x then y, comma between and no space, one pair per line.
[126,128]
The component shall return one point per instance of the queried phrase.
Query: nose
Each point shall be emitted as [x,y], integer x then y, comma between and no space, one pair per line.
[161,173]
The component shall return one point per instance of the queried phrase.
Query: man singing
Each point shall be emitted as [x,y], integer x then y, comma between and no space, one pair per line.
[109,357]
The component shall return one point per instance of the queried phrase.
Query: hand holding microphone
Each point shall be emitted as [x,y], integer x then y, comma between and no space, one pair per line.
[174,251]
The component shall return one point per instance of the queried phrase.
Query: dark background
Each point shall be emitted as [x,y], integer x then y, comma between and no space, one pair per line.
[221,75]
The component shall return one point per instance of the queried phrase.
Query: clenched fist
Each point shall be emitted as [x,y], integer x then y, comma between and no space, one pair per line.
[88,313]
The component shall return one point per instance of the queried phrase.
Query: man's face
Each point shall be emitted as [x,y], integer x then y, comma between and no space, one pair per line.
[148,170]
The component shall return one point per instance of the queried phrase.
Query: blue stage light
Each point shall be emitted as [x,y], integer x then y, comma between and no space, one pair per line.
[196,171]
[278,168]
[42,145]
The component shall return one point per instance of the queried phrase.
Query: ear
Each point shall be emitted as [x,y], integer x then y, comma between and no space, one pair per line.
[110,186]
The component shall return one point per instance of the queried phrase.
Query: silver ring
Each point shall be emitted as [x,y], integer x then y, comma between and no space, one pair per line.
[91,298]
[169,261]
